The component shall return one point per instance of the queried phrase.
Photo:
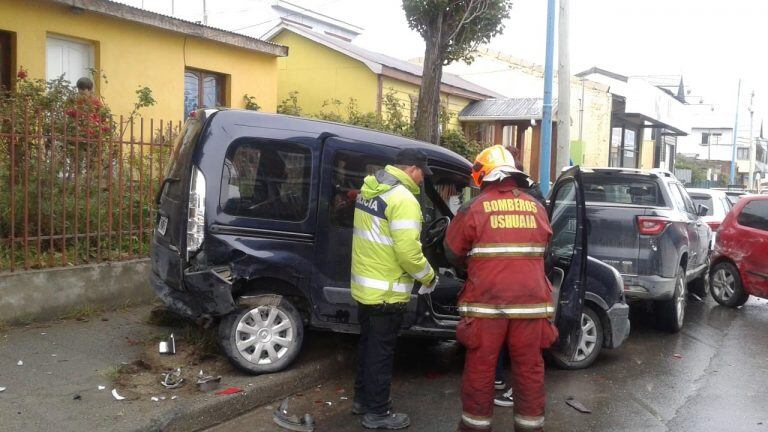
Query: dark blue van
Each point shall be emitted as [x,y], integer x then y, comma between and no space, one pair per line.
[254,233]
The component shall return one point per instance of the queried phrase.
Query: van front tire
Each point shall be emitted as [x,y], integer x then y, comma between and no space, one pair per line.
[263,337]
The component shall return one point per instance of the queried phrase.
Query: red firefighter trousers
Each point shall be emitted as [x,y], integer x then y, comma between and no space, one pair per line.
[483,338]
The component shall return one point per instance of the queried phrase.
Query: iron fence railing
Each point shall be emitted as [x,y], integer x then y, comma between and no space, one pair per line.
[75,191]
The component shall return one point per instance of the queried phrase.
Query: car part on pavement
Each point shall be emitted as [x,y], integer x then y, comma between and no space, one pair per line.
[172,379]
[228,391]
[265,336]
[727,288]
[292,422]
[168,346]
[578,406]
[206,383]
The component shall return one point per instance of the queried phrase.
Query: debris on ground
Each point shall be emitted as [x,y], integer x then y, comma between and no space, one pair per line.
[2,389]
[293,422]
[229,391]
[101,387]
[132,341]
[155,399]
[77,396]
[168,346]
[678,356]
[578,406]
[206,383]
[116,395]
[20,363]
[172,379]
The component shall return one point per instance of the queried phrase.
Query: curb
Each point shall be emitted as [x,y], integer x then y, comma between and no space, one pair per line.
[208,413]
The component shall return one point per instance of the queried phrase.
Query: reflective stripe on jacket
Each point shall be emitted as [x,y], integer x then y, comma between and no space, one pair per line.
[386,250]
[501,237]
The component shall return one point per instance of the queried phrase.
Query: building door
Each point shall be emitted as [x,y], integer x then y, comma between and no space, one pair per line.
[5,61]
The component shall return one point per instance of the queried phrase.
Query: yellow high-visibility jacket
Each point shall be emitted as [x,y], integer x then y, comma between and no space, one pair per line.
[386,250]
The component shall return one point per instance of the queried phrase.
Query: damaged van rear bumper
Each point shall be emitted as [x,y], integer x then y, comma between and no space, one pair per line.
[207,294]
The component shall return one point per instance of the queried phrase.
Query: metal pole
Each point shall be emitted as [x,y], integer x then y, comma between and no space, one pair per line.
[172,8]
[545,143]
[752,150]
[732,180]
[563,154]
[205,14]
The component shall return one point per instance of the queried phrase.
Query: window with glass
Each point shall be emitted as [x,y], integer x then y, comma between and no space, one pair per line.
[755,215]
[677,198]
[267,180]
[70,58]
[742,154]
[349,171]
[689,206]
[622,190]
[564,222]
[624,151]
[202,90]
[705,200]
[5,61]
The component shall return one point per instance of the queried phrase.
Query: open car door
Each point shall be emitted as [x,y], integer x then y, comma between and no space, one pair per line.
[566,258]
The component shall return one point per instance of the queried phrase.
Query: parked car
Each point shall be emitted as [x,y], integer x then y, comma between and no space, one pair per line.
[254,233]
[717,203]
[644,224]
[740,258]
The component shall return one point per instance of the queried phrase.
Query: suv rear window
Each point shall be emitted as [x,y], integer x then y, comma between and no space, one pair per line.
[622,190]
[266,180]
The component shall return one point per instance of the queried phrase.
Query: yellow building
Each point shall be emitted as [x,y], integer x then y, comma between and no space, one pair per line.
[186,65]
[323,67]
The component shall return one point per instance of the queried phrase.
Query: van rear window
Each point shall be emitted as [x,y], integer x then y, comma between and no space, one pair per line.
[622,190]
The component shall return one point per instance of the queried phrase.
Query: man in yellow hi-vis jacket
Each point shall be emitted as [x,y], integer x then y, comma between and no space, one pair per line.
[386,261]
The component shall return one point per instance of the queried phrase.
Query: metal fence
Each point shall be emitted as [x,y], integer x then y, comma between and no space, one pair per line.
[78,190]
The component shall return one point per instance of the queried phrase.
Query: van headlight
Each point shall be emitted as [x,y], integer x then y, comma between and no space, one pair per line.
[196,213]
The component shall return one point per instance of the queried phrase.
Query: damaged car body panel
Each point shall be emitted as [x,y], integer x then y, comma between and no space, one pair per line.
[254,232]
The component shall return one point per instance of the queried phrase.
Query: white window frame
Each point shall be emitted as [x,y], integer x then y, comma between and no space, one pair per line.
[69,75]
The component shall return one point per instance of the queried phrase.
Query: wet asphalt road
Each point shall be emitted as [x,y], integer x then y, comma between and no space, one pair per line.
[712,376]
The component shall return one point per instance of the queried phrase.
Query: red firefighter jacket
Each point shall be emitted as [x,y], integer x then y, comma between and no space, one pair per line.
[500,237]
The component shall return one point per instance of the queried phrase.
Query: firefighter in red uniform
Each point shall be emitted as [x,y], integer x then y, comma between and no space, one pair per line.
[500,237]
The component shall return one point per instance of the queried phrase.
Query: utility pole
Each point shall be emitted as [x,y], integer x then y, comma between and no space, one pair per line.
[205,14]
[545,145]
[752,150]
[563,156]
[732,180]
[172,8]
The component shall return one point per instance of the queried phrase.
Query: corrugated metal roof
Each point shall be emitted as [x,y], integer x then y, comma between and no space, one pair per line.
[503,109]
[385,60]
[119,10]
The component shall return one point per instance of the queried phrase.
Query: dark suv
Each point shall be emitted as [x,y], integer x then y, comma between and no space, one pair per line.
[647,227]
[254,232]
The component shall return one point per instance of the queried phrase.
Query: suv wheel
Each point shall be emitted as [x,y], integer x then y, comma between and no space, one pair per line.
[590,344]
[726,285]
[672,312]
[264,337]
[701,285]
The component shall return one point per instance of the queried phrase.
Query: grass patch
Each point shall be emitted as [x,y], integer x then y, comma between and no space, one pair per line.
[204,342]
[81,312]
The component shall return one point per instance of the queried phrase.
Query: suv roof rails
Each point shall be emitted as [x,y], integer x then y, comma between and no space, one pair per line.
[663,173]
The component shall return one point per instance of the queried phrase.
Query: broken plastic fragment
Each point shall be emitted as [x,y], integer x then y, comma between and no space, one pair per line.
[229,391]
[20,363]
[172,379]
[578,406]
[155,399]
[293,422]
[2,389]
[678,356]
[343,398]
[207,383]
[168,346]
[116,396]
[174,397]
[101,387]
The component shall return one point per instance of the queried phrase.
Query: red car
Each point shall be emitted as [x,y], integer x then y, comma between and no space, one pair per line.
[740,258]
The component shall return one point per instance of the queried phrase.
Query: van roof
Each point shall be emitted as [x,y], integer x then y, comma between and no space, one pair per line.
[318,127]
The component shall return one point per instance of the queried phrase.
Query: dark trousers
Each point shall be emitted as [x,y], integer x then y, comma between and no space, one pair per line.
[375,355]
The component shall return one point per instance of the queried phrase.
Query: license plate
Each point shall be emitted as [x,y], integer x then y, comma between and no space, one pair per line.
[162,224]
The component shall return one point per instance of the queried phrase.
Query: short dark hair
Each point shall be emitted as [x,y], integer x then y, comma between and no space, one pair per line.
[84,83]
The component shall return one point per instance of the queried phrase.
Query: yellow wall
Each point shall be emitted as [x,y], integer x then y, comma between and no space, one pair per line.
[406,92]
[133,55]
[319,73]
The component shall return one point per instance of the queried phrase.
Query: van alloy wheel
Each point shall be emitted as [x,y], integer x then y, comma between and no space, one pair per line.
[590,343]
[680,301]
[588,339]
[263,335]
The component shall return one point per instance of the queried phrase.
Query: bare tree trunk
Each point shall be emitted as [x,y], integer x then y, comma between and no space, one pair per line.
[428,112]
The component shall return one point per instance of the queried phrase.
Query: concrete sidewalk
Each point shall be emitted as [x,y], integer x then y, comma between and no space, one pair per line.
[64,362]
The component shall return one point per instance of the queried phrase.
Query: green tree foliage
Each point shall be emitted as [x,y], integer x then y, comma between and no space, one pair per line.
[290,105]
[250,103]
[452,30]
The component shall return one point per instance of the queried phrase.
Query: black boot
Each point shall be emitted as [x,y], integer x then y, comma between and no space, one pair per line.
[386,421]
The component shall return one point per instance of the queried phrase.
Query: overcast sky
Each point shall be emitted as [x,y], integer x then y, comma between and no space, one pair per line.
[712,43]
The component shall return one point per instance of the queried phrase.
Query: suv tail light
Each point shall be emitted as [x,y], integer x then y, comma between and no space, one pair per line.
[196,212]
[651,225]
